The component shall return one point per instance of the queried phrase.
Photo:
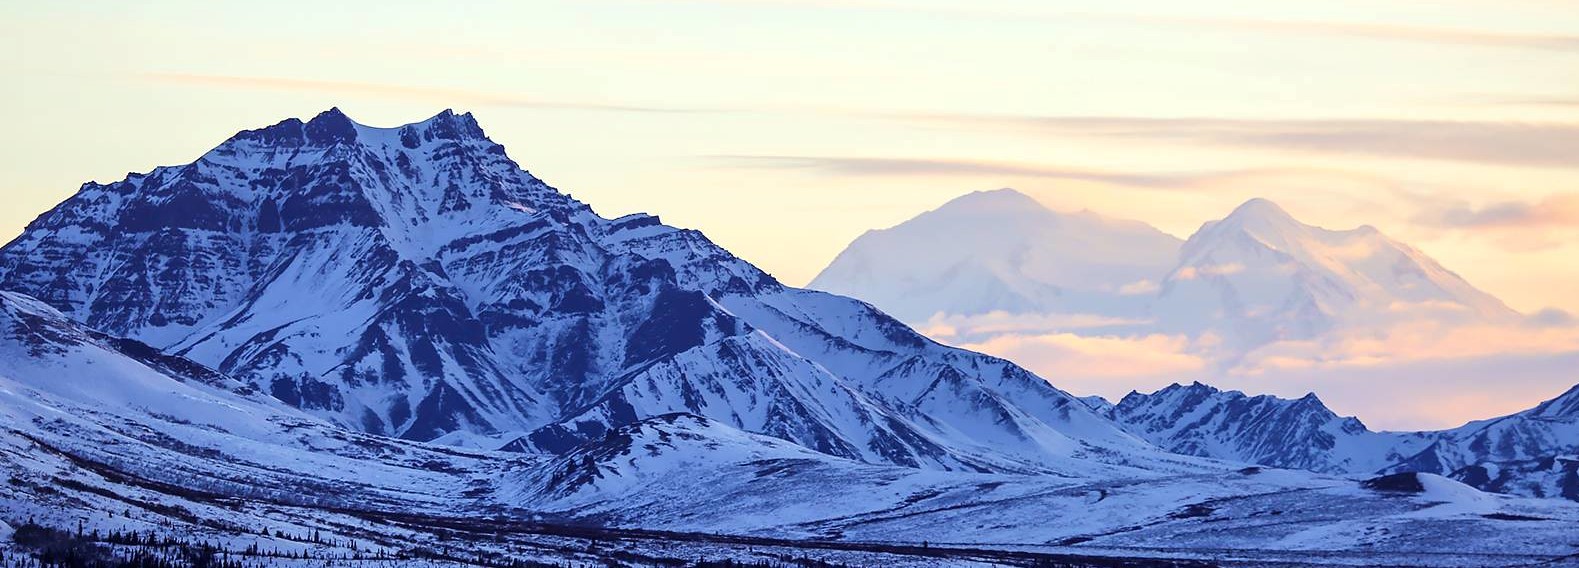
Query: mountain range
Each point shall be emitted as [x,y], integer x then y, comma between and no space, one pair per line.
[323,340]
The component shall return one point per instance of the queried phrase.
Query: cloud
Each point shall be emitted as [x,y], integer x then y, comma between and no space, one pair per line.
[1139,288]
[1086,364]
[1538,144]
[1207,180]
[967,327]
[1425,393]
[1386,32]
[1464,37]
[858,166]
[1411,339]
[1553,317]
[1519,226]
[1422,371]
[1193,272]
[1548,101]
[1555,210]
[446,96]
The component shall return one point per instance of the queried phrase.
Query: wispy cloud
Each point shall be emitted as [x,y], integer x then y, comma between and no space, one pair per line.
[1561,210]
[958,327]
[1435,364]
[1505,143]
[1532,101]
[1373,31]
[1512,225]
[870,166]
[1541,144]
[1098,364]
[1433,35]
[447,96]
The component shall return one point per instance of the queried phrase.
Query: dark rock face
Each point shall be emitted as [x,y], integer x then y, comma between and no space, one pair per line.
[415,281]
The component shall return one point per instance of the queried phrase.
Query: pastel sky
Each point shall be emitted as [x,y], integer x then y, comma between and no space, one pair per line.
[784,129]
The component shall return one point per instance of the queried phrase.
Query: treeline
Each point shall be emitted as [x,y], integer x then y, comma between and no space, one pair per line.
[38,546]
[46,547]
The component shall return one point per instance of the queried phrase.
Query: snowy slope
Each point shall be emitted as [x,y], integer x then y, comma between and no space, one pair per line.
[1000,251]
[688,473]
[416,282]
[1530,453]
[110,435]
[110,400]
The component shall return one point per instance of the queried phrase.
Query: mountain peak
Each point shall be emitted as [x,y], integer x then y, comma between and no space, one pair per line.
[1195,387]
[334,126]
[994,199]
[1263,209]
[450,126]
[1260,218]
[330,126]
[334,113]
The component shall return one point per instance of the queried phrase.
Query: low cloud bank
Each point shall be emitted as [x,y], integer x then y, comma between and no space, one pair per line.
[1406,375]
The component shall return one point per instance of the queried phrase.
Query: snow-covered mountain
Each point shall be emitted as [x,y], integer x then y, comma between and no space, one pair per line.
[1529,453]
[416,282]
[1200,420]
[1259,276]
[1002,251]
[114,450]
[1252,278]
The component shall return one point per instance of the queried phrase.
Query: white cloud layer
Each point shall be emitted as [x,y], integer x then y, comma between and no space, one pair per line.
[1418,373]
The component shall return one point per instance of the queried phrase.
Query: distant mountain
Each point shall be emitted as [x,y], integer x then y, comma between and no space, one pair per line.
[416,282]
[1531,453]
[1259,275]
[1254,277]
[1002,251]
